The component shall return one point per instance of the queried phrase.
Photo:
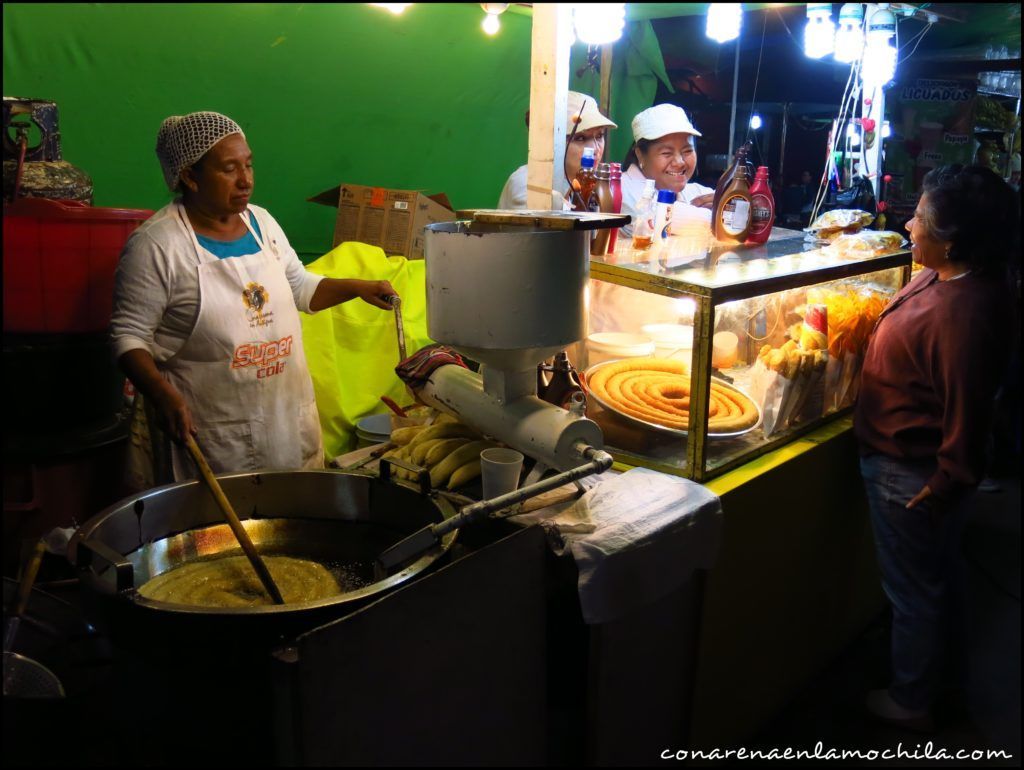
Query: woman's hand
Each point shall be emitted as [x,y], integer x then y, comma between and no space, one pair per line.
[175,416]
[333,291]
[921,496]
[703,201]
[377,293]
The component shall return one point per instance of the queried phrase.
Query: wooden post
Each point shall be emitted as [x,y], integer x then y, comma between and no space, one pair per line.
[549,86]
[606,79]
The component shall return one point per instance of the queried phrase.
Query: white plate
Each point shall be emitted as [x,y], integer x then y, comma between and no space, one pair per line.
[661,428]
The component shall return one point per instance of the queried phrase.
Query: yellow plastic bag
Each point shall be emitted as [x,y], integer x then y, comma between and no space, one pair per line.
[352,348]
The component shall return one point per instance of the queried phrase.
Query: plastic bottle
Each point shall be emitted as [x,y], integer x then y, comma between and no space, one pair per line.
[643,219]
[585,183]
[615,182]
[738,159]
[762,208]
[663,214]
[731,217]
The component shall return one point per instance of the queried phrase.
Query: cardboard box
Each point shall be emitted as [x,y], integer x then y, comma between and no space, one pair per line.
[391,219]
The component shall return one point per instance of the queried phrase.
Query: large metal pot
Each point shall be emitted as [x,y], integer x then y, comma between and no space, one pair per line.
[343,520]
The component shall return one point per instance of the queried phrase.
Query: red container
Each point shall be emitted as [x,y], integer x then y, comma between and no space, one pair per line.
[59,262]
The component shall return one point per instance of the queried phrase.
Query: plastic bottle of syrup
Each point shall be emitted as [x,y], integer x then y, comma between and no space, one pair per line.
[585,184]
[762,208]
[738,159]
[643,220]
[731,217]
[600,245]
[615,182]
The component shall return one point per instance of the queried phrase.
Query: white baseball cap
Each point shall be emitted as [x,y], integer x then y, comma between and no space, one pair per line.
[662,120]
[591,117]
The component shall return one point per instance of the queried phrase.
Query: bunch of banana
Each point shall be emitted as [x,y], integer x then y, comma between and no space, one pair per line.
[448,449]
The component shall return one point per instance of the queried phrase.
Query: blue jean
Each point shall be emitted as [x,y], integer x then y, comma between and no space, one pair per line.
[923,573]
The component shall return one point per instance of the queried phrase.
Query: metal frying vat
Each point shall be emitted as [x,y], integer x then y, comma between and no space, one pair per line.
[342,520]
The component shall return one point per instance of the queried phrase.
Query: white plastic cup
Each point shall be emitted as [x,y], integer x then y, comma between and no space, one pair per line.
[500,469]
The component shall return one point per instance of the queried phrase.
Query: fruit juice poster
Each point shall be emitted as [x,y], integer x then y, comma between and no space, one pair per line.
[931,124]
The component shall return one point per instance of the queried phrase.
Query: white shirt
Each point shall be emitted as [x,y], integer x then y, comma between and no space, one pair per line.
[513,194]
[156,288]
[633,181]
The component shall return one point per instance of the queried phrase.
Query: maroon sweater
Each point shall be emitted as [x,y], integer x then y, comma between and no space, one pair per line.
[931,372]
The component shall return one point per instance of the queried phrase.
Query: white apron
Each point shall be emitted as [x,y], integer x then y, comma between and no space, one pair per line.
[243,370]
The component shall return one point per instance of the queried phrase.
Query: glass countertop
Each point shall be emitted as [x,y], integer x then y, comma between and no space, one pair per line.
[697,260]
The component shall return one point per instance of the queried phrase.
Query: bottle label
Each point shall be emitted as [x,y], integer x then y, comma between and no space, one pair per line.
[761,214]
[735,215]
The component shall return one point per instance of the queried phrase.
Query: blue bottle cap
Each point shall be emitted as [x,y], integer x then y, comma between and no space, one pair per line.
[587,161]
[666,196]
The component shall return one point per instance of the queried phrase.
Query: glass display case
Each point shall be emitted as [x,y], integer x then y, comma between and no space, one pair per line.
[700,357]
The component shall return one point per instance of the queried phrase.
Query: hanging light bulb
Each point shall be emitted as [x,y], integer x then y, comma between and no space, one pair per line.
[879,65]
[820,32]
[850,36]
[724,21]
[853,135]
[886,130]
[598,23]
[491,24]
[755,122]
[395,8]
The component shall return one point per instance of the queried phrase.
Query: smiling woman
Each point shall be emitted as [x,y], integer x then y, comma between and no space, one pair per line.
[924,413]
[664,150]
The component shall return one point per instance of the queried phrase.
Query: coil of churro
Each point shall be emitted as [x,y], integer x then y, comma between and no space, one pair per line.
[657,390]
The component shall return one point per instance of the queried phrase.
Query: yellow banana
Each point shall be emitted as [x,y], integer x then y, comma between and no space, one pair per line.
[446,430]
[403,436]
[465,474]
[441,472]
[443,448]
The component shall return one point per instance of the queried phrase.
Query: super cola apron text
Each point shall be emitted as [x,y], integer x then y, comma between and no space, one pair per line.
[243,370]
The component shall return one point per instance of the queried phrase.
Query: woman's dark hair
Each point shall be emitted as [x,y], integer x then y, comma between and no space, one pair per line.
[630,159]
[977,212]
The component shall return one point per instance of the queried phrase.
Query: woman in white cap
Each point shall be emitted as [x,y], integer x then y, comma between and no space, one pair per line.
[206,302]
[589,133]
[663,150]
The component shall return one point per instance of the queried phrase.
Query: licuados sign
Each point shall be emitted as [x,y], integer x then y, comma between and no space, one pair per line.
[936,91]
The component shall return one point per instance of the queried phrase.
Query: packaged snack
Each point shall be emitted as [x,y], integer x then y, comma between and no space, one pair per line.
[832,224]
[867,243]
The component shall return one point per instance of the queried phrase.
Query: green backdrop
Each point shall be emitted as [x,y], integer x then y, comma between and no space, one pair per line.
[326,93]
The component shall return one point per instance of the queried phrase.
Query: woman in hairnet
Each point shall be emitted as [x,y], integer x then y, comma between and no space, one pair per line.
[589,133]
[664,150]
[206,301]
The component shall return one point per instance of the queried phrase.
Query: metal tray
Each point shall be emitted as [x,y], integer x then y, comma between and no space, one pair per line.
[661,428]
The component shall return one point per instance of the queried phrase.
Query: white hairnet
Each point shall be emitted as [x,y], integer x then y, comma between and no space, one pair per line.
[184,139]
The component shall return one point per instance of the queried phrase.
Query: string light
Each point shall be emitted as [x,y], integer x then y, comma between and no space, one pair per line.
[395,8]
[879,65]
[850,36]
[724,21]
[820,32]
[755,122]
[599,23]
[491,24]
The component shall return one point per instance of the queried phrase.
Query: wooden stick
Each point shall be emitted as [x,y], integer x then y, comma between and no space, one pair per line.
[236,526]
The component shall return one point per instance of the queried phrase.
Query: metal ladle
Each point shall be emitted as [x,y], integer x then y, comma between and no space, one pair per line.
[236,526]
[24,677]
